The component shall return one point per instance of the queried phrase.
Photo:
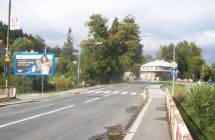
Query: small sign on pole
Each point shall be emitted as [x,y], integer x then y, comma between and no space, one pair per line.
[9,70]
[173,71]
[174,64]
[14,23]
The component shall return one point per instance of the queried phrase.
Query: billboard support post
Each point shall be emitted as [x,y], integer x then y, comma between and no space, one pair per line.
[42,84]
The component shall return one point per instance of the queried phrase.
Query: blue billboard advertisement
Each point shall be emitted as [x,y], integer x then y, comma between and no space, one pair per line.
[33,64]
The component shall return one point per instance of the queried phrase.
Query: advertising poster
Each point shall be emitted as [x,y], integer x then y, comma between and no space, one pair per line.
[34,64]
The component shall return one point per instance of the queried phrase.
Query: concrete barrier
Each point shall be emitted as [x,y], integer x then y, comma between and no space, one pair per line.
[7,92]
[177,126]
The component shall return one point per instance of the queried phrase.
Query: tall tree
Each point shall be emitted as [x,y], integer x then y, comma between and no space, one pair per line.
[65,61]
[108,52]
[188,56]
[68,49]
[205,72]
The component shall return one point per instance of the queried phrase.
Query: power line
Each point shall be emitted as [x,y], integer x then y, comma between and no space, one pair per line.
[40,19]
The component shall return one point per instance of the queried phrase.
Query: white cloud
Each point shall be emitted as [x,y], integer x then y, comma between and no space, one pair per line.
[192,20]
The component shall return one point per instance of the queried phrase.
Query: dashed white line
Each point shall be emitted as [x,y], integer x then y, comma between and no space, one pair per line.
[133,93]
[107,91]
[90,91]
[36,116]
[92,100]
[125,92]
[115,92]
[107,95]
[98,91]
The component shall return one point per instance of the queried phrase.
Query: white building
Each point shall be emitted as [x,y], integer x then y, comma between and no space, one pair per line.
[155,71]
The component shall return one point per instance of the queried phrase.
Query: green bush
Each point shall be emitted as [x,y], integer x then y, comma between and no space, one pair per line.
[199,103]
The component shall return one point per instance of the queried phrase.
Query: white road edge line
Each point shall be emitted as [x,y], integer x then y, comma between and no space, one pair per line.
[92,100]
[137,122]
[36,116]
[108,94]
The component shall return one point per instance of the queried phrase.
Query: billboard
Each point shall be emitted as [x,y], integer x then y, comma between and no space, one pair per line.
[34,64]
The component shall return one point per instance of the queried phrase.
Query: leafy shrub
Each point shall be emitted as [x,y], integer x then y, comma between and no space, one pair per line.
[200,105]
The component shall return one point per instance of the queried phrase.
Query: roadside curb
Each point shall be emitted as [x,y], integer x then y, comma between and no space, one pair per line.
[178,128]
[15,102]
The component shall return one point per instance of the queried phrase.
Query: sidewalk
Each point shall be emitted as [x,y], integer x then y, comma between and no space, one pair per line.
[31,97]
[153,125]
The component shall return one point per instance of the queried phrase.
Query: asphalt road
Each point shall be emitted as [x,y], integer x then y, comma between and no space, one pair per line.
[72,117]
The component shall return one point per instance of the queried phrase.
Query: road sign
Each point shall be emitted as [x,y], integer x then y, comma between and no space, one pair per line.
[174,64]
[173,70]
[14,23]
[9,69]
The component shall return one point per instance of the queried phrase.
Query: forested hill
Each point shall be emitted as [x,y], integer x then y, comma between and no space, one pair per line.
[13,34]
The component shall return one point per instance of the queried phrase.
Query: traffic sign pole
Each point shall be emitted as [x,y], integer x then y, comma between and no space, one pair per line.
[174,65]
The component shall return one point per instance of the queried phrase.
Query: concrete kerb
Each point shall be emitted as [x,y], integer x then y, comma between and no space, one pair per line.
[178,128]
[16,102]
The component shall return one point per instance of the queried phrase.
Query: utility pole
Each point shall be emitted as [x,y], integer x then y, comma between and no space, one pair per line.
[173,75]
[79,60]
[8,42]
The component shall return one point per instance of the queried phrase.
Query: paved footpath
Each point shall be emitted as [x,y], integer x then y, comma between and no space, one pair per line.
[154,124]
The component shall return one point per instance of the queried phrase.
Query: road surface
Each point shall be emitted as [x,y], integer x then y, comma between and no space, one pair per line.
[72,117]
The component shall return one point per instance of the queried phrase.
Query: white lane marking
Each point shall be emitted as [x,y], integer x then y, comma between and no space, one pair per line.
[133,93]
[90,91]
[108,94]
[123,93]
[36,116]
[142,94]
[107,91]
[115,92]
[98,91]
[92,100]
[137,122]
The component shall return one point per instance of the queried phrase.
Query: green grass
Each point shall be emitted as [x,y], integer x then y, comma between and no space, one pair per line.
[180,89]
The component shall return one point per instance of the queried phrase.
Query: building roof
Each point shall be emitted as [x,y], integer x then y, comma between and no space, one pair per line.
[158,63]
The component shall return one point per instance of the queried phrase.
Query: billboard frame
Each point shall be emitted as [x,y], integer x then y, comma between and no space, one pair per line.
[34,74]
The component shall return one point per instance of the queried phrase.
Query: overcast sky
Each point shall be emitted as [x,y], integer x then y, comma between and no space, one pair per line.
[192,20]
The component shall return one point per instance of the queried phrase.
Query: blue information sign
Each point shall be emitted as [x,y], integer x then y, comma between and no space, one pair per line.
[173,70]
